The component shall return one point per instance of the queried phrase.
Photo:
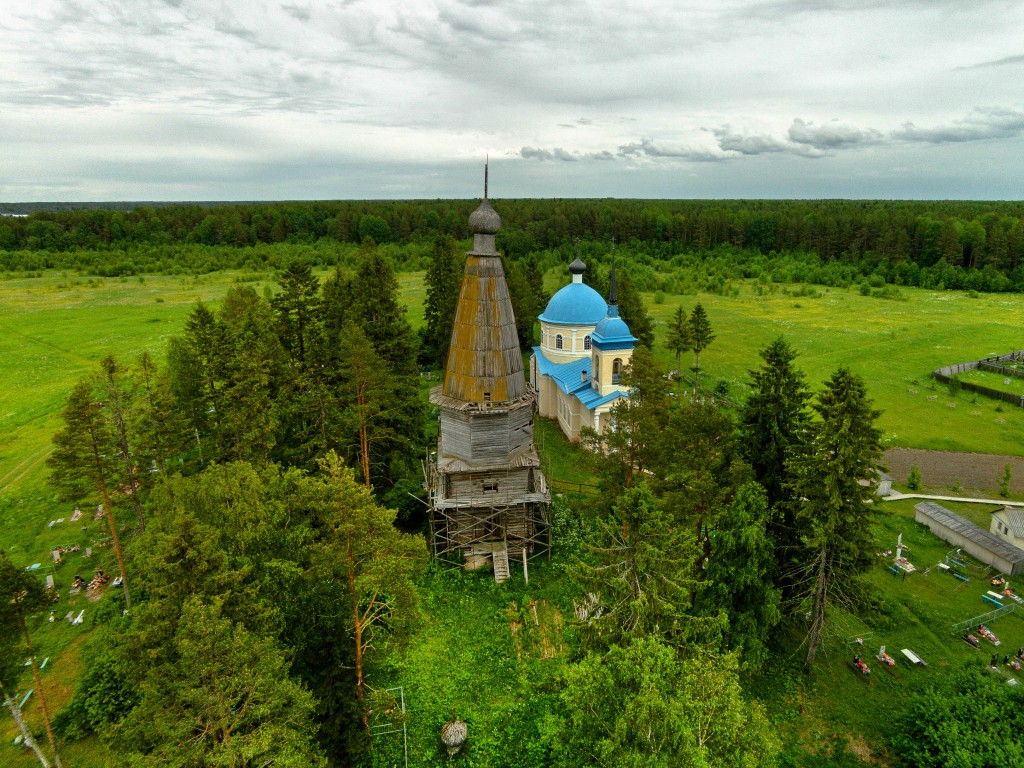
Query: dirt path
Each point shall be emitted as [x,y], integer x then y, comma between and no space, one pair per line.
[973,470]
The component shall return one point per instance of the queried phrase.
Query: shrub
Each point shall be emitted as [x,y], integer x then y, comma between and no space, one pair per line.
[914,479]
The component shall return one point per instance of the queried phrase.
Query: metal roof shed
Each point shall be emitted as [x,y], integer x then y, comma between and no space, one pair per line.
[979,543]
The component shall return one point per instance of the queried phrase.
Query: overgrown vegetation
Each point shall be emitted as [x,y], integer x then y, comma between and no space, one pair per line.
[663,628]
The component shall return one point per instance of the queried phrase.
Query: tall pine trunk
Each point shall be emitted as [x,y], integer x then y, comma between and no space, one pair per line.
[39,691]
[111,522]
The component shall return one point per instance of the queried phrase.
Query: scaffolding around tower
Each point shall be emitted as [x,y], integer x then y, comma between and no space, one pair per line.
[489,501]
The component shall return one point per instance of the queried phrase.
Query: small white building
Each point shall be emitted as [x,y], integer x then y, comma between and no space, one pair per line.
[1008,524]
[584,348]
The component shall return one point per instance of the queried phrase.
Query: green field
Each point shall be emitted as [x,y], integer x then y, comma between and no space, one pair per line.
[55,329]
[894,345]
[1012,384]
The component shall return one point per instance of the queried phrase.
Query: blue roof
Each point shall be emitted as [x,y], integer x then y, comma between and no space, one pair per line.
[612,331]
[592,398]
[567,377]
[575,304]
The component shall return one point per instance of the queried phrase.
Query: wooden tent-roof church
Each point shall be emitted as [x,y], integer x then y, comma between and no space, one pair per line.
[488,497]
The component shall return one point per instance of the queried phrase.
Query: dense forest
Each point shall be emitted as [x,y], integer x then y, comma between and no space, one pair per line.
[963,245]
[265,472]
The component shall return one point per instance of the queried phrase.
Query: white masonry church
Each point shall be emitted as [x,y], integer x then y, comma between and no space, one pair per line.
[584,348]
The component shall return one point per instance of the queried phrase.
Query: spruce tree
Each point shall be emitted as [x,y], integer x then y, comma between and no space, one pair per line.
[633,311]
[834,510]
[739,576]
[701,337]
[443,281]
[297,309]
[375,307]
[637,570]
[774,420]
[679,340]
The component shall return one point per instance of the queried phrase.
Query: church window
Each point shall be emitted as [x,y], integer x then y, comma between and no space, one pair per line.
[491,487]
[616,370]
[597,369]
[586,341]
[558,341]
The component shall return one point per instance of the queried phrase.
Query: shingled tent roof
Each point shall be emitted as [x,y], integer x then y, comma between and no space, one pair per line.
[484,361]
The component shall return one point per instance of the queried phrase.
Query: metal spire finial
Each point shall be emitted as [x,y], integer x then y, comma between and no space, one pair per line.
[487,160]
[612,299]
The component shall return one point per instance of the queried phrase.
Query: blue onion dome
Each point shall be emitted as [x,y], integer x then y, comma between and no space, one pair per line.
[484,220]
[613,329]
[575,304]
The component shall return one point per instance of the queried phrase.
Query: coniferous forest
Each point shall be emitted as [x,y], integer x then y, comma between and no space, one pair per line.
[262,484]
[945,244]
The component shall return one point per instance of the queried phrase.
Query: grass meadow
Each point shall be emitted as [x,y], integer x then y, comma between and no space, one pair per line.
[54,329]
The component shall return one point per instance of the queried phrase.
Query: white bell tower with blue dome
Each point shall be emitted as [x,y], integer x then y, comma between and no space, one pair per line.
[584,347]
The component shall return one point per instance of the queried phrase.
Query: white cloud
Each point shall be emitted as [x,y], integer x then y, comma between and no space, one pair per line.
[594,86]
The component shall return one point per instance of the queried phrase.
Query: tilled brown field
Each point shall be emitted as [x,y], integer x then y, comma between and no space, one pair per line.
[982,471]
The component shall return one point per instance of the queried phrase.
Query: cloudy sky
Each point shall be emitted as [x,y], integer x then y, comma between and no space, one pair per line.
[314,99]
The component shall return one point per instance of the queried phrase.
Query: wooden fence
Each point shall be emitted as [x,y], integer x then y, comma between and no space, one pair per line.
[946,374]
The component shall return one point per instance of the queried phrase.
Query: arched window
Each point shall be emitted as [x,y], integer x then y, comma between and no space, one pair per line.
[596,368]
[558,341]
[586,341]
[616,370]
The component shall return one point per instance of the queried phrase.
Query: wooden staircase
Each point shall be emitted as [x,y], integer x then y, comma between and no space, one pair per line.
[500,558]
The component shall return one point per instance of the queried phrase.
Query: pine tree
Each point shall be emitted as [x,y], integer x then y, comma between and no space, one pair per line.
[21,595]
[375,562]
[701,337]
[117,406]
[82,462]
[835,511]
[367,396]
